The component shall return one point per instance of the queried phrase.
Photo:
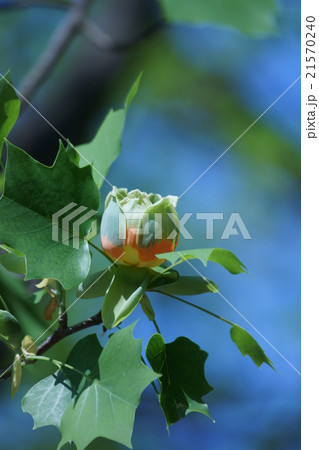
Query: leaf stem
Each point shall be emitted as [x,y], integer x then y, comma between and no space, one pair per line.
[156,326]
[198,307]
[57,363]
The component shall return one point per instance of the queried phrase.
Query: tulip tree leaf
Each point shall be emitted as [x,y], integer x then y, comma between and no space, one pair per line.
[249,17]
[248,346]
[47,400]
[107,407]
[32,194]
[225,258]
[9,108]
[106,145]
[126,290]
[183,381]
[185,285]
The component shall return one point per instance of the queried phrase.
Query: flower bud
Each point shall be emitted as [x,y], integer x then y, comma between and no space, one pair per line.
[28,345]
[16,375]
[137,226]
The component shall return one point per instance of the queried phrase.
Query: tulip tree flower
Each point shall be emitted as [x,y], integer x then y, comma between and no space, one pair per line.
[137,226]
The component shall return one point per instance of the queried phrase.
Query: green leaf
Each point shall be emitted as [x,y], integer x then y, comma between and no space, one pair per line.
[95,285]
[126,290]
[159,276]
[84,357]
[10,330]
[107,407]
[147,307]
[183,381]
[9,108]
[47,400]
[37,296]
[12,260]
[32,194]
[248,346]
[106,145]
[187,286]
[225,258]
[249,17]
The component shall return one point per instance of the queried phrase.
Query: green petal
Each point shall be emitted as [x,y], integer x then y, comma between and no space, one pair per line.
[159,222]
[112,218]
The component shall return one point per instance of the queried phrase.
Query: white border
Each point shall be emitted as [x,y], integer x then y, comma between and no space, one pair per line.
[310,241]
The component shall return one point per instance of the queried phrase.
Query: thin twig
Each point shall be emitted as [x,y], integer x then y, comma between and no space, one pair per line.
[75,22]
[58,44]
[60,334]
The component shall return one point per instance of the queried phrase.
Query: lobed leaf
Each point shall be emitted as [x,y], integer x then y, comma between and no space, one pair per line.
[106,145]
[183,381]
[32,194]
[107,407]
[47,400]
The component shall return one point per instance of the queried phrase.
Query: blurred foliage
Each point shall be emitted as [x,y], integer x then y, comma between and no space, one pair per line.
[249,17]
